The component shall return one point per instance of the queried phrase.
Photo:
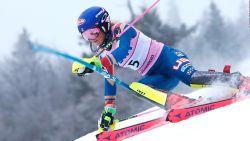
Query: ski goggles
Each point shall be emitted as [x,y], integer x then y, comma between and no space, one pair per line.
[91,34]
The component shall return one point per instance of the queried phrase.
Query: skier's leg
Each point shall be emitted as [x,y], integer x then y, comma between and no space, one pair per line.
[174,63]
[160,82]
[165,74]
[165,84]
[234,80]
[178,65]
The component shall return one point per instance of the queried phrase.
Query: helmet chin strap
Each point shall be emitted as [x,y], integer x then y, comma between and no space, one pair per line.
[106,43]
[92,48]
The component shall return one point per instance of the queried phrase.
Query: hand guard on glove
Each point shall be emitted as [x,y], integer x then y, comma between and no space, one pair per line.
[107,121]
[82,70]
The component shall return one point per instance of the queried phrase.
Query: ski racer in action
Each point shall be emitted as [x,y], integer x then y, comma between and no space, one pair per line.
[162,66]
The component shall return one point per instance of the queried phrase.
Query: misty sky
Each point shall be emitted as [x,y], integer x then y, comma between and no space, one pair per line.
[53,22]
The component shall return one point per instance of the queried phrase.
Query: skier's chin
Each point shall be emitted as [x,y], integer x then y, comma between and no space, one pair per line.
[96,43]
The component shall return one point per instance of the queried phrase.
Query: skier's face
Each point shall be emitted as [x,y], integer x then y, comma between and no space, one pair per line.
[94,35]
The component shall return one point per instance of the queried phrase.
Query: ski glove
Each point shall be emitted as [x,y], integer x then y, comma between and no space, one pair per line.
[107,121]
[82,70]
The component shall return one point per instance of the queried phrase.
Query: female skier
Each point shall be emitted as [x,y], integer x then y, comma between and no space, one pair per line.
[161,65]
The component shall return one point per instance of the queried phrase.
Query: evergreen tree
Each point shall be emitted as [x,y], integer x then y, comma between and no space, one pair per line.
[216,43]
[41,100]
[173,17]
[24,94]
[215,28]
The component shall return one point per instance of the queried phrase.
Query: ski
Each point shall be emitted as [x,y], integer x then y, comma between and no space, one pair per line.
[171,116]
[126,132]
[177,115]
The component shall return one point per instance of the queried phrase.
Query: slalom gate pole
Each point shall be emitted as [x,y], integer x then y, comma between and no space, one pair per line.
[138,18]
[38,47]
[139,114]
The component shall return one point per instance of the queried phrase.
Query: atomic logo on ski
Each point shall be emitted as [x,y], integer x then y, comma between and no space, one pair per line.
[176,115]
[123,133]
[129,131]
[199,110]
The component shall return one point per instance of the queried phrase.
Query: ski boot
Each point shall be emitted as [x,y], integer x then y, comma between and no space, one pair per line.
[107,121]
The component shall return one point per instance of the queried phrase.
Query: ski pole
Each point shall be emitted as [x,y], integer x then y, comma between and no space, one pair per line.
[38,47]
